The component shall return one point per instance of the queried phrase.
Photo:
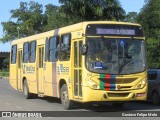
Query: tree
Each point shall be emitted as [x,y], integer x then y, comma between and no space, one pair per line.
[25,21]
[54,19]
[5,63]
[131,17]
[29,19]
[149,18]
[87,10]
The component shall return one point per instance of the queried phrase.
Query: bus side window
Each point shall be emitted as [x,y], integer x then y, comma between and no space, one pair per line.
[26,52]
[32,51]
[65,46]
[13,54]
[53,49]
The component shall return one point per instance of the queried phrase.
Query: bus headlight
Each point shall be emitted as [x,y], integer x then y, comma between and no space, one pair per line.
[92,84]
[141,84]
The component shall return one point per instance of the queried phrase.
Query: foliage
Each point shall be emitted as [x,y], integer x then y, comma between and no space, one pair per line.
[5,63]
[4,74]
[29,18]
[53,18]
[131,17]
[89,10]
[25,21]
[149,18]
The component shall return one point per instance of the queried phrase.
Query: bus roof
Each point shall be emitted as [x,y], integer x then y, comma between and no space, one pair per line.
[67,29]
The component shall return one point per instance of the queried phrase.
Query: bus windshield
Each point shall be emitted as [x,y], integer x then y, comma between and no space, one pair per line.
[115,56]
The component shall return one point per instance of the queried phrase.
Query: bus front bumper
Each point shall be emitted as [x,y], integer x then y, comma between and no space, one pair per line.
[91,95]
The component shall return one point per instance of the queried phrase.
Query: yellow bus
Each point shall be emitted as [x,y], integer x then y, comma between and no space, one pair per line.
[98,61]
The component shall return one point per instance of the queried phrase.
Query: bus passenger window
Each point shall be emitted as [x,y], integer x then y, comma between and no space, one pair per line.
[32,51]
[13,54]
[52,50]
[26,52]
[65,46]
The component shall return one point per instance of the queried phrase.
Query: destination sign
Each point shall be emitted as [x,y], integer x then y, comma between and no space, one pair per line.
[114,30]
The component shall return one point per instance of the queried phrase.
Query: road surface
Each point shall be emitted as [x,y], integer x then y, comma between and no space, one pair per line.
[12,100]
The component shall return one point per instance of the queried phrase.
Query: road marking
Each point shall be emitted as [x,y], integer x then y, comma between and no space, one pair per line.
[8,103]
[18,107]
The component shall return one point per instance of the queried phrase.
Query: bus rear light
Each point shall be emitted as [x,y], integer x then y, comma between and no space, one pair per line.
[140,94]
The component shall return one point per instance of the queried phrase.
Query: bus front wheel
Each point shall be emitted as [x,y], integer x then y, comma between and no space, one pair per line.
[26,92]
[67,104]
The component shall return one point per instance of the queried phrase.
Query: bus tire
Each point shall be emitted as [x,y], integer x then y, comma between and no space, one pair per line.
[155,98]
[26,92]
[67,104]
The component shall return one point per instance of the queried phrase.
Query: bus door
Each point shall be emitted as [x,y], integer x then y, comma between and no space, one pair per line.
[19,82]
[40,69]
[77,70]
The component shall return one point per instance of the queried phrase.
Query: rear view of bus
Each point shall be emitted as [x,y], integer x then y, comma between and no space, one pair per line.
[115,62]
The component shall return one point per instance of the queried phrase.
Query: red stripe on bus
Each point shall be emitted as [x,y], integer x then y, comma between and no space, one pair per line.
[54,80]
[107,85]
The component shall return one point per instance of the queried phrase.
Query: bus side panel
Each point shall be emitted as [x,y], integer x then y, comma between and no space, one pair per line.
[48,83]
[30,73]
[13,75]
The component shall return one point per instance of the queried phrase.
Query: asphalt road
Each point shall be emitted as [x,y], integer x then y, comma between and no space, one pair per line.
[12,100]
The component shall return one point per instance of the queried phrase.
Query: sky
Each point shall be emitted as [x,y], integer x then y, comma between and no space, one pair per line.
[7,5]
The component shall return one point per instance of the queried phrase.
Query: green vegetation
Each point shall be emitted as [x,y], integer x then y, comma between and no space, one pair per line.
[29,18]
[149,18]
[4,74]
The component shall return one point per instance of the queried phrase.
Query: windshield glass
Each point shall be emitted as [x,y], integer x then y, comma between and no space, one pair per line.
[115,56]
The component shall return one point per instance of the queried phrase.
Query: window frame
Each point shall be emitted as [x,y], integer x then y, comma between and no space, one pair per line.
[30,52]
[26,52]
[13,54]
[49,53]
[61,42]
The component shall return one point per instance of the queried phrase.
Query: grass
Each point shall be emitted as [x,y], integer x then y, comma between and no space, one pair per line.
[4,72]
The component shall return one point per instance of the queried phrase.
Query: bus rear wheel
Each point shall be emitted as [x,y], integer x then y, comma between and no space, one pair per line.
[26,92]
[67,104]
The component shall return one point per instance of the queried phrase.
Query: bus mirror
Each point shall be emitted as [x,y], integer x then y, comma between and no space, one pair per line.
[84,49]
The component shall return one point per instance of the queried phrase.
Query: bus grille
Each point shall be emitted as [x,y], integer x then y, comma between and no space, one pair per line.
[118,94]
[125,80]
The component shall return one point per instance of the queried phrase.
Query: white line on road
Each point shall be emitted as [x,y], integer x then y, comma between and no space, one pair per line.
[8,103]
[18,107]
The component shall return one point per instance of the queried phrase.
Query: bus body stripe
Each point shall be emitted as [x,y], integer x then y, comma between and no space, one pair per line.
[101,82]
[107,82]
[56,32]
[54,80]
